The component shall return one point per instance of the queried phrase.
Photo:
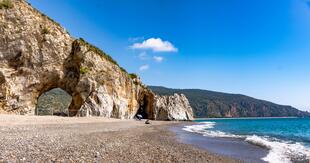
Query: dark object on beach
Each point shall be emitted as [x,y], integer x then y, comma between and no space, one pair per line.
[147,122]
[139,116]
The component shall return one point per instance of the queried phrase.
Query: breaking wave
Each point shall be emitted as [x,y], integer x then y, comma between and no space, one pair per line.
[280,151]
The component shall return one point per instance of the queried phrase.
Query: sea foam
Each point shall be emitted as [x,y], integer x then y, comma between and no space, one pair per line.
[279,151]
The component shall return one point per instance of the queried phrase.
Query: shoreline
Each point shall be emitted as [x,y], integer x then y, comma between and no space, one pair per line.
[269,148]
[230,147]
[93,139]
[243,118]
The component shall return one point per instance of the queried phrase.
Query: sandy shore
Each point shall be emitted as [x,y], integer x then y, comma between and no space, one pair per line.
[63,139]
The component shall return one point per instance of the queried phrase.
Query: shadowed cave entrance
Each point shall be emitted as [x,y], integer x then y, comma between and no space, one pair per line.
[54,102]
[143,109]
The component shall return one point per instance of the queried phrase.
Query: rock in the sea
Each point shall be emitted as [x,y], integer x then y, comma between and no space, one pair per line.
[37,55]
[175,107]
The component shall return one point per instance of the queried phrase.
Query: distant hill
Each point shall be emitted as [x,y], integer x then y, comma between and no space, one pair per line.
[216,104]
[53,102]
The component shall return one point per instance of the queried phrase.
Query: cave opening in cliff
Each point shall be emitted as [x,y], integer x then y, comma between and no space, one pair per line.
[143,108]
[54,102]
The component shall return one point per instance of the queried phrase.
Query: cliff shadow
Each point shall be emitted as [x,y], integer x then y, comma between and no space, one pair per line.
[143,110]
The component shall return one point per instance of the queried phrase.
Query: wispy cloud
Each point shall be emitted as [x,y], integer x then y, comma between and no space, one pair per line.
[158,59]
[143,56]
[144,67]
[135,39]
[155,44]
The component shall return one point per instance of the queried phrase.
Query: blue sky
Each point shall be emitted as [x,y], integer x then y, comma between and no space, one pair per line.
[258,48]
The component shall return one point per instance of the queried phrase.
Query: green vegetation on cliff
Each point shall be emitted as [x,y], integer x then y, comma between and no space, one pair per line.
[133,76]
[6,4]
[102,53]
[216,105]
[83,70]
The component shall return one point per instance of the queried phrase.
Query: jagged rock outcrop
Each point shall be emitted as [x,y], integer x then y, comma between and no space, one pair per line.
[175,107]
[37,55]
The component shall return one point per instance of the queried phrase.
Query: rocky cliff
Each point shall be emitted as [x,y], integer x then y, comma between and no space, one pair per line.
[37,55]
[174,107]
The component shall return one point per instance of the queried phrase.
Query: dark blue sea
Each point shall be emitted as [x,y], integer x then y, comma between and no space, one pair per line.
[287,139]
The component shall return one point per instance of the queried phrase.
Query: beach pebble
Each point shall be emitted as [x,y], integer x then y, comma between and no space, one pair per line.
[147,122]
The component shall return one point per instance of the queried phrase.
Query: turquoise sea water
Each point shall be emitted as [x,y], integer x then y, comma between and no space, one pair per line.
[288,139]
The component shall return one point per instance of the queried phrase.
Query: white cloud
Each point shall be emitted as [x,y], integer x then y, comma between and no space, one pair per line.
[155,44]
[143,56]
[158,59]
[144,67]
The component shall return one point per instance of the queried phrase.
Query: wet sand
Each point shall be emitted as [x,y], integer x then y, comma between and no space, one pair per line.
[64,139]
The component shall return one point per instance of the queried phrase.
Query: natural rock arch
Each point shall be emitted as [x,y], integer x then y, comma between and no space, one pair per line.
[66,77]
[37,55]
[101,81]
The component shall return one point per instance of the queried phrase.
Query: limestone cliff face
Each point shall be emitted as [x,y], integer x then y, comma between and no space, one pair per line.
[37,55]
[33,50]
[175,107]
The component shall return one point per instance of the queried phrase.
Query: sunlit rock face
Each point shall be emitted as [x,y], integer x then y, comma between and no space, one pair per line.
[175,107]
[37,55]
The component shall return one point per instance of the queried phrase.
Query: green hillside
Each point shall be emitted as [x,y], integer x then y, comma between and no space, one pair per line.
[216,104]
[54,102]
